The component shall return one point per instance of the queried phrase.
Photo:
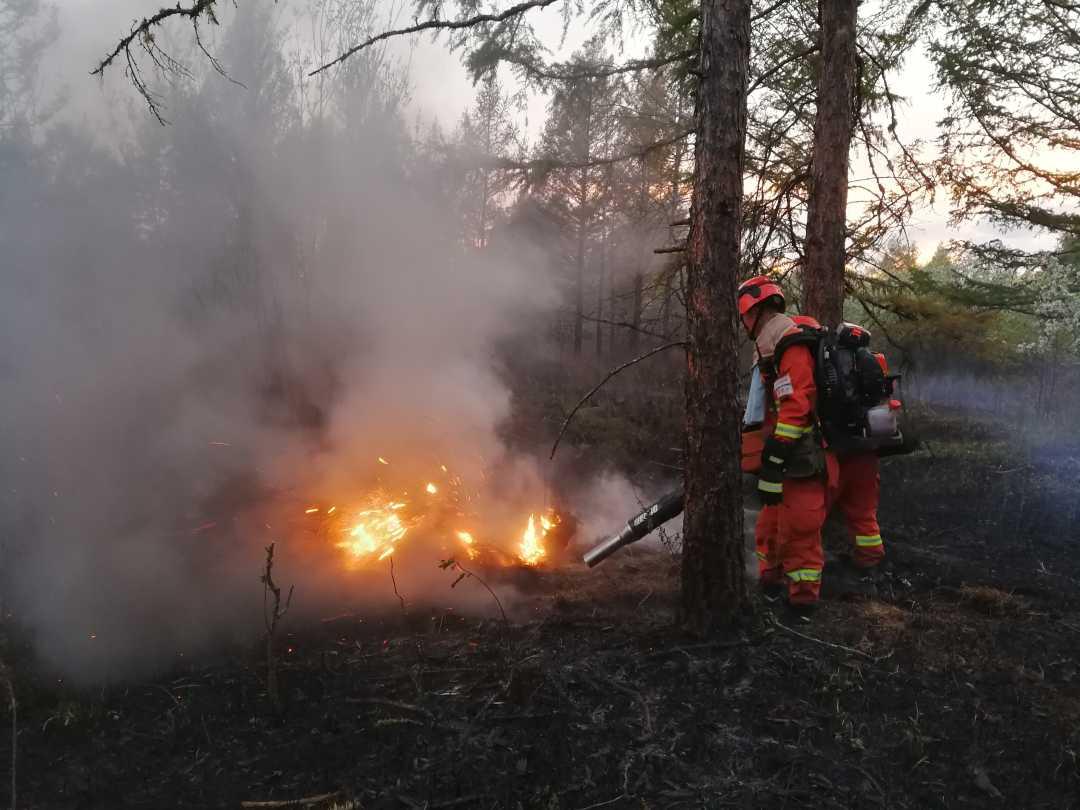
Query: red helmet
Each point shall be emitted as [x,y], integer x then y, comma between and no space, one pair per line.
[757,289]
[806,320]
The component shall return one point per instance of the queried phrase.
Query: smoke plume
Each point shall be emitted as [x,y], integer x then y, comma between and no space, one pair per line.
[207,327]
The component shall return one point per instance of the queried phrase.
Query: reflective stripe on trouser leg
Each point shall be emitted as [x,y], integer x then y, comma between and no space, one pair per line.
[860,489]
[801,515]
[765,540]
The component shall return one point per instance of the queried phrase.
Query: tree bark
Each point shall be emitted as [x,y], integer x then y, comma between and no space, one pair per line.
[714,589]
[579,287]
[643,255]
[600,285]
[826,223]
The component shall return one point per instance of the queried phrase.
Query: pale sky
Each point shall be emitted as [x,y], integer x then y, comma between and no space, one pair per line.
[442,90]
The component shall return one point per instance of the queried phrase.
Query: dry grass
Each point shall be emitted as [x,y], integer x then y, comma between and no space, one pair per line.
[992,601]
[885,622]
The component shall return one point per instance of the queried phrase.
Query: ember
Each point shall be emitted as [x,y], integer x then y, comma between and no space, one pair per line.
[376,530]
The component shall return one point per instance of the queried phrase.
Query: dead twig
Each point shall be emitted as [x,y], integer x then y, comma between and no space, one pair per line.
[601,384]
[675,249]
[393,580]
[618,798]
[708,645]
[437,25]
[453,564]
[392,704]
[271,620]
[840,647]
[307,802]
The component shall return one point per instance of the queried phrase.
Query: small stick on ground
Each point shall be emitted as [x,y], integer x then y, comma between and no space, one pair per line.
[840,647]
[310,800]
[601,384]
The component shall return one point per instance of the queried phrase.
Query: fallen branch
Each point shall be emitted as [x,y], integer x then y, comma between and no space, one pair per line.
[618,798]
[840,647]
[677,249]
[392,704]
[310,800]
[601,384]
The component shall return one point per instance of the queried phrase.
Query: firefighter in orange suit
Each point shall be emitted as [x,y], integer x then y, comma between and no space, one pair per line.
[854,485]
[793,461]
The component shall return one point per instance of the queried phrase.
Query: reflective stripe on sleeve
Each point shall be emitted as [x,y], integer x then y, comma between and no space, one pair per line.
[776,487]
[805,575]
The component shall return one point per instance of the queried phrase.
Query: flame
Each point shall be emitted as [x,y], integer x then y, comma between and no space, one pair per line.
[431,489]
[376,530]
[531,550]
[383,460]
[469,541]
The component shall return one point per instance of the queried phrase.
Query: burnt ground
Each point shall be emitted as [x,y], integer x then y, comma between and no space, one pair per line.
[956,685]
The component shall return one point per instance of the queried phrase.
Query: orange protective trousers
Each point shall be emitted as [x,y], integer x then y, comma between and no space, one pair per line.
[854,487]
[856,494]
[788,538]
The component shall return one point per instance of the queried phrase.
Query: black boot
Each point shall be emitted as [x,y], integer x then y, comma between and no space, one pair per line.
[800,612]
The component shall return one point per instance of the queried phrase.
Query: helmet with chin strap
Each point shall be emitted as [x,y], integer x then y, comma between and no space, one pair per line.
[758,290]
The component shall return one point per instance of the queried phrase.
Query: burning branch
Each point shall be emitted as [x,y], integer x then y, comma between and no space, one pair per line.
[271,618]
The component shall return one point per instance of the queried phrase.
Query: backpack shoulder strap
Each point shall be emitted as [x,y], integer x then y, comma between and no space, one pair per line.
[805,336]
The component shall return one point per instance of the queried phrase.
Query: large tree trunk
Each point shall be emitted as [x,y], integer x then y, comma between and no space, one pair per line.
[826,222]
[643,255]
[600,285]
[579,290]
[714,590]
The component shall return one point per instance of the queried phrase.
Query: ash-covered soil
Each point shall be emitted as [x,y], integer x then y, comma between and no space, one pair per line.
[956,684]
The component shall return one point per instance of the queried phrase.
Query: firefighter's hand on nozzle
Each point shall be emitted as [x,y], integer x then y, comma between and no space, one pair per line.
[771,478]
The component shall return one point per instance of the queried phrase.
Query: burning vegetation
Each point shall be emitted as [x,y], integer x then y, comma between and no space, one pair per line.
[451,513]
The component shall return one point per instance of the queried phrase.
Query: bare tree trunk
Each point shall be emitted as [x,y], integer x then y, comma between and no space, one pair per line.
[826,222]
[714,591]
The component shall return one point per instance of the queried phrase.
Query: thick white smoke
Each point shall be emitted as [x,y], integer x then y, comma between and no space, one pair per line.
[243,309]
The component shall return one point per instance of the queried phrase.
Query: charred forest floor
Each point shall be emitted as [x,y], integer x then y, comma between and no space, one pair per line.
[955,684]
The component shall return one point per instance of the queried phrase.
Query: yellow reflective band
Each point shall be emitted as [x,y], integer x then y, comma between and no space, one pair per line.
[805,575]
[867,540]
[770,486]
[763,557]
[786,431]
[776,460]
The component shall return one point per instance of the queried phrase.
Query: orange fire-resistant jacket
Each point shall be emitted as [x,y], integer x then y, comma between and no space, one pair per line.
[794,394]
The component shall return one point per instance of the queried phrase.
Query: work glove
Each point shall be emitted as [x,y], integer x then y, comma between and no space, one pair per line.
[771,478]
